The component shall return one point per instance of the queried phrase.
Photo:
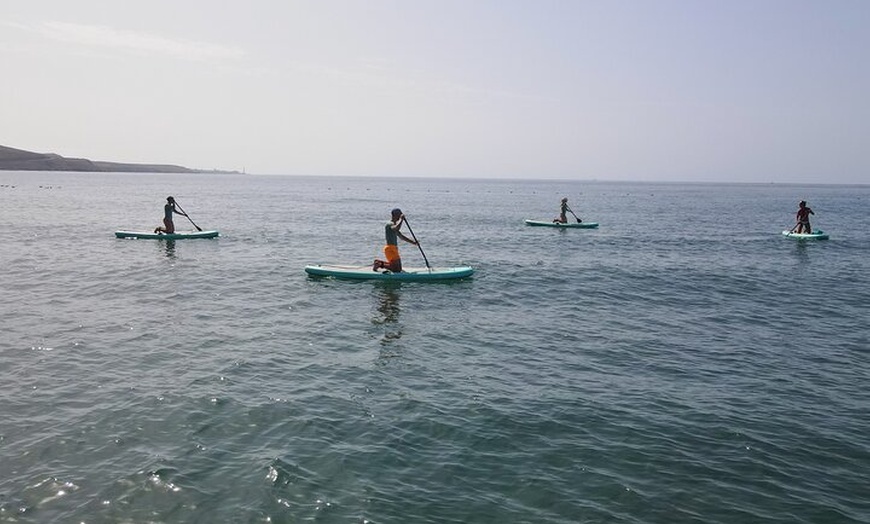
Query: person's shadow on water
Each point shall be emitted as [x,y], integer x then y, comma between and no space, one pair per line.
[170,249]
[387,318]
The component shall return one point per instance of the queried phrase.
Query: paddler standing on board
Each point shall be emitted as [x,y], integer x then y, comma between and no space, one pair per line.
[168,209]
[803,218]
[391,250]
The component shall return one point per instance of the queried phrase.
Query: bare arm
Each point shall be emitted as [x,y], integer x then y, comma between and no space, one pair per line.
[397,228]
[403,237]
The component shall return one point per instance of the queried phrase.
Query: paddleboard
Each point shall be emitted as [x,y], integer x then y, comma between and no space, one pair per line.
[178,235]
[550,223]
[818,235]
[412,274]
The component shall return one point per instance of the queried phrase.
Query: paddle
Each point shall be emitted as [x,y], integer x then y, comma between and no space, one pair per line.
[575,216]
[794,227]
[191,220]
[418,244]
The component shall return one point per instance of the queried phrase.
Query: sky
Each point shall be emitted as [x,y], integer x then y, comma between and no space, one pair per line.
[737,91]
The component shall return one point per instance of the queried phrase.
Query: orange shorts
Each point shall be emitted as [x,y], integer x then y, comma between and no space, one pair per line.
[392,253]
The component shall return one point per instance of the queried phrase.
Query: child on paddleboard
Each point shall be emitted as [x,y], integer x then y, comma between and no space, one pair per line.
[168,209]
[391,250]
[563,218]
[803,218]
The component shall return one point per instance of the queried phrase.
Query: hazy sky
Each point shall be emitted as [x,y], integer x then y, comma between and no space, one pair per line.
[756,90]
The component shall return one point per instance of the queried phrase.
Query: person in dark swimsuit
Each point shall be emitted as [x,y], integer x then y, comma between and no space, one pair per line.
[168,210]
[563,209]
[562,218]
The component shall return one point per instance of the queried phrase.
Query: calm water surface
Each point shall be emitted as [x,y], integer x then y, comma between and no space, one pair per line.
[682,363]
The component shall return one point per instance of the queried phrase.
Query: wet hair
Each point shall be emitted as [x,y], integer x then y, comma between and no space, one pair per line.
[170,199]
[396,212]
[565,199]
[803,203]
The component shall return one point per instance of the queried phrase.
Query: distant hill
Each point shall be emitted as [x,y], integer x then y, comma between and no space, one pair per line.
[12,159]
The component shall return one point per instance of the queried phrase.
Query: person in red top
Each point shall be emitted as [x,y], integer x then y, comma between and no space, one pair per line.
[803,218]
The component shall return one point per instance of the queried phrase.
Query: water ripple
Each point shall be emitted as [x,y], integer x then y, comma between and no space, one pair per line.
[680,373]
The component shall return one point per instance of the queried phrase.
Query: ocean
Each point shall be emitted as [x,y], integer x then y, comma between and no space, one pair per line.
[684,362]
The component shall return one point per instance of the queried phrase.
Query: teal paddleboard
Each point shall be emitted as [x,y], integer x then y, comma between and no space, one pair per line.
[417,274]
[818,235]
[178,235]
[550,223]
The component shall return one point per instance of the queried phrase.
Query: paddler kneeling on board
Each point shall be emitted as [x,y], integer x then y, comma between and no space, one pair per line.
[168,209]
[391,250]
[562,218]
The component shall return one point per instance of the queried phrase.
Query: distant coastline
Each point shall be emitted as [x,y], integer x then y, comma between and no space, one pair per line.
[12,159]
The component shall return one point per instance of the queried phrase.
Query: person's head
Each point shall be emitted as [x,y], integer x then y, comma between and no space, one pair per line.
[396,214]
[170,199]
[803,203]
[564,199]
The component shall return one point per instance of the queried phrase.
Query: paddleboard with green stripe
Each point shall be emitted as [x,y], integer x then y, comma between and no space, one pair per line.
[178,235]
[818,235]
[550,223]
[419,274]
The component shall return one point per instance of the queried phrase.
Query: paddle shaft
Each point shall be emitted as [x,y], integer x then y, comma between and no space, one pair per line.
[575,216]
[418,244]
[191,220]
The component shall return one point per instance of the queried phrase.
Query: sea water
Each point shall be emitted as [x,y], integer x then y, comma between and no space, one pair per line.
[684,362]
